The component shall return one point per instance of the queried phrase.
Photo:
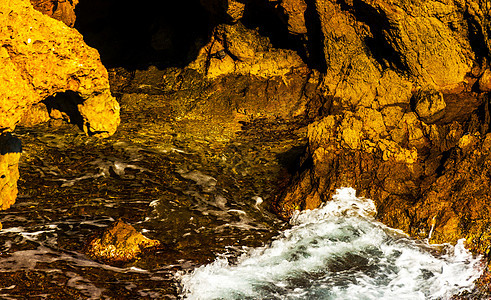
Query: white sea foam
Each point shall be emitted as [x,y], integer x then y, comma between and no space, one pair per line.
[338,252]
[206,182]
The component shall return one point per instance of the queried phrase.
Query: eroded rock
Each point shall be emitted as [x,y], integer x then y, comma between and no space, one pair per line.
[235,49]
[430,106]
[42,57]
[404,123]
[119,243]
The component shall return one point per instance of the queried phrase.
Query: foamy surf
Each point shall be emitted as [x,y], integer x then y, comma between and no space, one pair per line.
[338,251]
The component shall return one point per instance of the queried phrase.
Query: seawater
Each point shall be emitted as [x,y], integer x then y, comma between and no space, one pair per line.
[338,251]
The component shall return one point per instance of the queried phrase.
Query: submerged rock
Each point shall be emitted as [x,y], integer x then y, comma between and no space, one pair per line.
[119,243]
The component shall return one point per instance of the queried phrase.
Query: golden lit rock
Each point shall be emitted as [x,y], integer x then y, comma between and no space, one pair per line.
[119,243]
[10,151]
[41,57]
[235,49]
[63,10]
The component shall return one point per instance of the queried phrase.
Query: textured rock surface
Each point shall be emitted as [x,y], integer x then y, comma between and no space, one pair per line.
[10,150]
[63,10]
[235,49]
[41,57]
[295,15]
[47,72]
[401,119]
[119,243]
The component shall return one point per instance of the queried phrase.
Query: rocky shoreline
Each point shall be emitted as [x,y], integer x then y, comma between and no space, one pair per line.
[394,96]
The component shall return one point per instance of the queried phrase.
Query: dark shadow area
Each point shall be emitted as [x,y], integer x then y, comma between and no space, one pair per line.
[292,159]
[9,144]
[272,23]
[378,45]
[135,36]
[67,104]
[441,166]
[476,37]
[483,116]
[315,38]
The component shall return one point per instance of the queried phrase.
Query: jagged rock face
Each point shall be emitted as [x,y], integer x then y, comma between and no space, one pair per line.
[45,61]
[42,57]
[405,117]
[63,10]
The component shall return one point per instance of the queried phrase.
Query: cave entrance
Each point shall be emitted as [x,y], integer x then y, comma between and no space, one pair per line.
[136,35]
[64,106]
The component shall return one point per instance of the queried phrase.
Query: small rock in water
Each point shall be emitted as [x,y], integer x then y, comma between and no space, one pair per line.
[119,243]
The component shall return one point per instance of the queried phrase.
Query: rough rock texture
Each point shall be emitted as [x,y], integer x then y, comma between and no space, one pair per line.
[119,243]
[63,10]
[214,109]
[294,11]
[235,49]
[10,150]
[42,57]
[47,72]
[403,117]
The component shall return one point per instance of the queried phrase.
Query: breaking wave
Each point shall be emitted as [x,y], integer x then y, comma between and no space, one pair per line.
[338,251]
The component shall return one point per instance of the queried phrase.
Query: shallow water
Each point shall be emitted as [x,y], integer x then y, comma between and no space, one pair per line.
[202,199]
[338,252]
[199,198]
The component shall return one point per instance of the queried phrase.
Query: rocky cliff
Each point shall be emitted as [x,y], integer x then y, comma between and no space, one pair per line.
[396,94]
[405,115]
[47,72]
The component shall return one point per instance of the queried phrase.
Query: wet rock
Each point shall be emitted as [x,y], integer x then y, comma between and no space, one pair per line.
[119,243]
[42,57]
[385,133]
[10,151]
[215,108]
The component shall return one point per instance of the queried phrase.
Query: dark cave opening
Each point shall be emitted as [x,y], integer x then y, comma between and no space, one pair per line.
[66,103]
[170,34]
[135,36]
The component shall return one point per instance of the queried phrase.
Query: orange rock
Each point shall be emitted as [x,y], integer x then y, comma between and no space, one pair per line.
[41,57]
[10,150]
[119,243]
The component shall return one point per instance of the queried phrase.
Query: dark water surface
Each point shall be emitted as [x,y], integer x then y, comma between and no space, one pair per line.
[200,198]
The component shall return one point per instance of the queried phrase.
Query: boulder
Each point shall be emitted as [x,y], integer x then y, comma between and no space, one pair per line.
[119,243]
[237,50]
[42,57]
